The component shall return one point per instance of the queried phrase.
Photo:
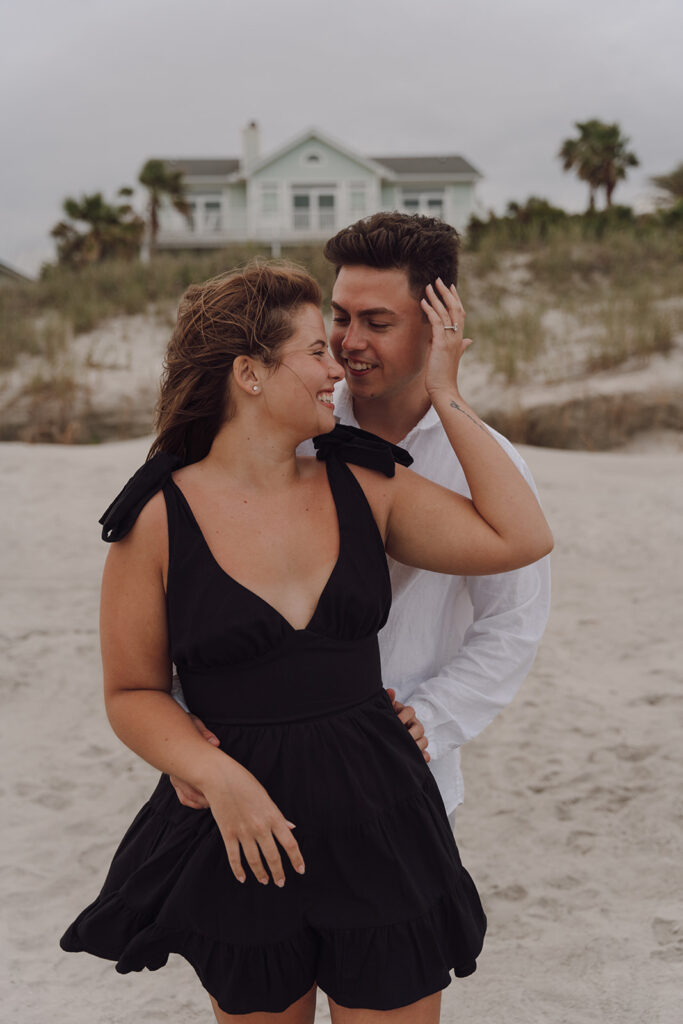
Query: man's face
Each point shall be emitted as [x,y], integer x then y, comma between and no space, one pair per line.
[379,333]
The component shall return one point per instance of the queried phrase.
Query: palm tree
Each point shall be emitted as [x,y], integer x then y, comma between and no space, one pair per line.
[162,183]
[580,155]
[671,183]
[112,230]
[615,159]
[599,155]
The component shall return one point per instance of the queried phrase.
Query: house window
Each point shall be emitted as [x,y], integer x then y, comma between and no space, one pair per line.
[302,211]
[326,212]
[315,208]
[269,199]
[358,202]
[428,202]
[313,158]
[206,214]
[212,215]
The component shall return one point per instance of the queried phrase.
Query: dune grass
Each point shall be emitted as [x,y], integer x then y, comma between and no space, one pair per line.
[34,316]
[619,298]
[617,286]
[508,341]
[630,329]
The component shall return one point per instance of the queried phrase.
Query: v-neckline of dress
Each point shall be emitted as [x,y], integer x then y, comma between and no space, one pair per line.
[242,586]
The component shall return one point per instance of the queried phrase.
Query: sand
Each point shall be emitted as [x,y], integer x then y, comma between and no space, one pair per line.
[572,825]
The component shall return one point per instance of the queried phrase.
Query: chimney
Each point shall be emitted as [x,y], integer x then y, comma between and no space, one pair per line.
[251,145]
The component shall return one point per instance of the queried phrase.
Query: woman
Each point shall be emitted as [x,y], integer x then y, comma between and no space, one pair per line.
[263,577]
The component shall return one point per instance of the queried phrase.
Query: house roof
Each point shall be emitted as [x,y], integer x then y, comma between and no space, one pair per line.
[11,272]
[204,167]
[418,165]
[396,166]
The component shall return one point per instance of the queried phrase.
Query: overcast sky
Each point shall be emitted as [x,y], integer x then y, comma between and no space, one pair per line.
[91,89]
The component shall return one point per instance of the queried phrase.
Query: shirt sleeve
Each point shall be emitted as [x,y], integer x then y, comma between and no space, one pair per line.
[177,691]
[510,612]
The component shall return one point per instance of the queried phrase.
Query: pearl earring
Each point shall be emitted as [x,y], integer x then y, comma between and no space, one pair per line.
[255,387]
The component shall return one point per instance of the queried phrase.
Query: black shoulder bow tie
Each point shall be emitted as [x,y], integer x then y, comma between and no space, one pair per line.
[119,518]
[362,448]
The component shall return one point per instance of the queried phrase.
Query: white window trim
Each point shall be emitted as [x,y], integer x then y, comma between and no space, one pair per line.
[316,220]
[272,189]
[423,195]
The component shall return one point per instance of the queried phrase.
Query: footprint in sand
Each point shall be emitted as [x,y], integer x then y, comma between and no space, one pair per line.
[669,938]
[565,882]
[509,892]
[50,798]
[629,753]
[655,699]
[564,809]
[582,842]
[95,752]
[53,801]
[546,907]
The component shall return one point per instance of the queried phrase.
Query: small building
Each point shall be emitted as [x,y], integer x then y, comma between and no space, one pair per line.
[307,190]
[10,275]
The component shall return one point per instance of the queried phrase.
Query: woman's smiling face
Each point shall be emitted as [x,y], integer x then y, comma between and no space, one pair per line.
[300,390]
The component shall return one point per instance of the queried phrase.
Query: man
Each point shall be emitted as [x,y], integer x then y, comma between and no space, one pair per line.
[456,648]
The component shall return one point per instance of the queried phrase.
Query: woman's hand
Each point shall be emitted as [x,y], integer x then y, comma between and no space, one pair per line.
[407,715]
[250,820]
[444,311]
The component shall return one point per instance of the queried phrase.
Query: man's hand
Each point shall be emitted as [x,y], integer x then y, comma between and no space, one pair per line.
[407,715]
[187,794]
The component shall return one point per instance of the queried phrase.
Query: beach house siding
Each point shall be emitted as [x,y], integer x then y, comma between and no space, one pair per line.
[308,193]
[308,190]
[453,203]
[217,204]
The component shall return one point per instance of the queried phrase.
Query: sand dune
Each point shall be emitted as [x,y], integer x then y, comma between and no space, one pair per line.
[573,820]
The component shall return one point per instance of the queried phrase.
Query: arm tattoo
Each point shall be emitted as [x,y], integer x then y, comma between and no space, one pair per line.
[454,405]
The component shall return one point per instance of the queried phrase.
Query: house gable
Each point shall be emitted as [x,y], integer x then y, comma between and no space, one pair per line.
[314,157]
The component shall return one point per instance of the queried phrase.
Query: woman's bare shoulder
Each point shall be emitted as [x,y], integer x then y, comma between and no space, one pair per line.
[147,539]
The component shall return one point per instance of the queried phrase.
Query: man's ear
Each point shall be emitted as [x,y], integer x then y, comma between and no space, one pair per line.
[247,374]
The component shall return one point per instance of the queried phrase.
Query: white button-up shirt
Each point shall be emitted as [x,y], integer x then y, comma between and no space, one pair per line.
[456,648]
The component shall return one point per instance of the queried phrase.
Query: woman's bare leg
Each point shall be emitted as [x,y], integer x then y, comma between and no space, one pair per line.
[300,1012]
[424,1011]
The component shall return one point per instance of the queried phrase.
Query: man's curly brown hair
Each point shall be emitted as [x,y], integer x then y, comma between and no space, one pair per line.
[426,248]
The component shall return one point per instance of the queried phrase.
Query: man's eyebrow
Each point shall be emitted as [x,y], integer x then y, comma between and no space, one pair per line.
[376,311]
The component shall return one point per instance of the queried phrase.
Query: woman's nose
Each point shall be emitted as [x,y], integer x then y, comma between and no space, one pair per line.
[336,372]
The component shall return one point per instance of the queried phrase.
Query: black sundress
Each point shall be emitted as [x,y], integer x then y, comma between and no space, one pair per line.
[385,909]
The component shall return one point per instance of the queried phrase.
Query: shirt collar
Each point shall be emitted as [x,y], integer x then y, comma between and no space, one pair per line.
[343,405]
[343,412]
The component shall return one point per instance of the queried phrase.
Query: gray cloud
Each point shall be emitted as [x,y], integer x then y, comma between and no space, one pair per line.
[91,89]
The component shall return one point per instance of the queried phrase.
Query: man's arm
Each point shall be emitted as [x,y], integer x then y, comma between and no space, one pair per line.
[510,615]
